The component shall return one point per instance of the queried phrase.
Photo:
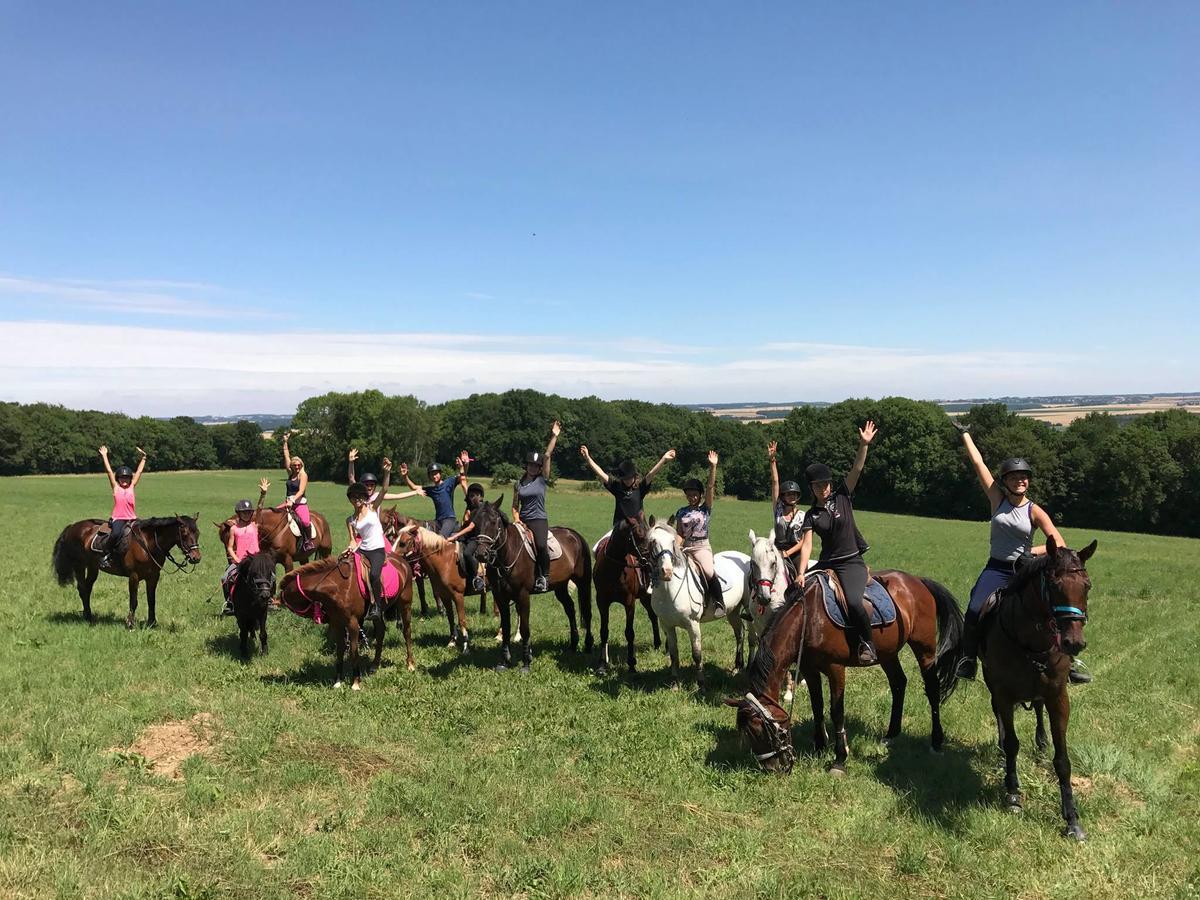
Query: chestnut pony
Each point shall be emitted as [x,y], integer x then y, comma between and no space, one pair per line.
[275,536]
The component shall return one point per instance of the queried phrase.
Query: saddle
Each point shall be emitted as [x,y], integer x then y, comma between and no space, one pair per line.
[880,606]
[553,547]
[297,530]
[390,578]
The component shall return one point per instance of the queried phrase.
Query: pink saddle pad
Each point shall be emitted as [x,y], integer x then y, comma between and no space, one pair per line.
[390,578]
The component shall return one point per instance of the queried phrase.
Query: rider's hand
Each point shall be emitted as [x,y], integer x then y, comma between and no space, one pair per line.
[963,427]
[387,464]
[103,450]
[771,450]
[713,459]
[353,454]
[264,485]
[140,452]
[556,428]
[867,433]
[583,451]
[669,455]
[404,470]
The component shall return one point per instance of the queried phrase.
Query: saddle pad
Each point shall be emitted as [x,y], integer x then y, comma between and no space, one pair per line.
[879,603]
[552,544]
[294,525]
[390,577]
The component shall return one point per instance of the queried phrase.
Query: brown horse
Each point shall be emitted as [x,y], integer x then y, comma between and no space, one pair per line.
[275,535]
[328,590]
[618,574]
[148,546]
[438,558]
[510,572]
[1030,638]
[393,520]
[803,631]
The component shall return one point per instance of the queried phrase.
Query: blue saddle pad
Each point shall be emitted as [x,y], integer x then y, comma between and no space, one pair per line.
[883,609]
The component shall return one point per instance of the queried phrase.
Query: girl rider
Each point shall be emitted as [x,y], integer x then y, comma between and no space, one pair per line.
[842,545]
[296,501]
[691,522]
[242,540]
[626,487]
[1014,519]
[470,541]
[124,510]
[366,535]
[371,483]
[441,491]
[529,506]
[785,504]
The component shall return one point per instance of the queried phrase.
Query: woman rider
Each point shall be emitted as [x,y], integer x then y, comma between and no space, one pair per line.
[1014,519]
[366,535]
[124,510]
[242,540]
[629,490]
[842,545]
[470,541]
[785,503]
[295,487]
[368,479]
[529,506]
[692,521]
[441,491]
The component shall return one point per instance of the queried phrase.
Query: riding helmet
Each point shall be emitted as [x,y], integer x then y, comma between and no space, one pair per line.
[818,472]
[358,491]
[369,478]
[1015,464]
[533,458]
[474,488]
[627,469]
[433,467]
[123,472]
[789,487]
[243,506]
[693,484]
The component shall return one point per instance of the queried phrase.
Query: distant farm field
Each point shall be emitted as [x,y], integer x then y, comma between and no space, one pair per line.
[153,763]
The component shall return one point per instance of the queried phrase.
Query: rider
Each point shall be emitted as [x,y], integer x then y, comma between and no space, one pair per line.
[529,506]
[366,534]
[242,540]
[628,489]
[842,545]
[1014,519]
[692,521]
[296,485]
[368,478]
[441,491]
[785,504]
[469,539]
[124,510]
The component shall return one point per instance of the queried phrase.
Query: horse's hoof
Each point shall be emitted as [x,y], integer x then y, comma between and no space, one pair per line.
[675,685]
[466,648]
[787,697]
[601,669]
[516,638]
[129,624]
[356,686]
[837,770]
[1075,833]
[936,751]
[525,669]
[412,667]
[152,623]
[500,667]
[337,685]
[1013,802]
[450,645]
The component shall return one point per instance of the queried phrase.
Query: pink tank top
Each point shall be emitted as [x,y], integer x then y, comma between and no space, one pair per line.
[124,506]
[245,540]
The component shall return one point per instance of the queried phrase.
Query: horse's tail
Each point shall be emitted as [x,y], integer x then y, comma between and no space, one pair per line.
[584,585]
[64,558]
[950,632]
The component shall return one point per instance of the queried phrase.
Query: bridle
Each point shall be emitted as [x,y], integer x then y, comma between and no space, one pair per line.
[187,566]
[779,738]
[1051,615]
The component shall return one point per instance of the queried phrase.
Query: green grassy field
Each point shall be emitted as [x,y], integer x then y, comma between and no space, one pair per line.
[457,781]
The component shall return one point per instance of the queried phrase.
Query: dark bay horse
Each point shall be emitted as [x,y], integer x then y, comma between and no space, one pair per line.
[147,552]
[510,572]
[252,592]
[928,620]
[620,576]
[1029,640]
[275,535]
[328,590]
[438,558]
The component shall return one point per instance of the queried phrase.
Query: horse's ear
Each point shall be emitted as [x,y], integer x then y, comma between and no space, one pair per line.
[652,520]
[753,537]
[732,701]
[671,521]
[1086,553]
[1052,547]
[499,501]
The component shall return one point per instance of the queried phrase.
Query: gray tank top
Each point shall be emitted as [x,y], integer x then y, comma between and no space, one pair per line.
[1012,531]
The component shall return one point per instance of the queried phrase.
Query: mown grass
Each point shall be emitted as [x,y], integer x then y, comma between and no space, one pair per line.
[457,781]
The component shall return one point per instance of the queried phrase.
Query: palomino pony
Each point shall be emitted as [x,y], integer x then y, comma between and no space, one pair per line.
[336,590]
[617,576]
[1032,633]
[510,572]
[148,550]
[679,593]
[253,588]
[438,558]
[275,535]
[927,619]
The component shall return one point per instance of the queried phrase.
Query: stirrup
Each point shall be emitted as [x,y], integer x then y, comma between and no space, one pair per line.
[1079,675]
[966,668]
[540,585]
[866,654]
[228,610]
[478,583]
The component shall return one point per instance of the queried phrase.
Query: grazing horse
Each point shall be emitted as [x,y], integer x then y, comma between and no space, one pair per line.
[275,536]
[680,592]
[510,572]
[617,574]
[438,558]
[147,550]
[803,632]
[336,590]
[253,588]
[392,521]
[1031,635]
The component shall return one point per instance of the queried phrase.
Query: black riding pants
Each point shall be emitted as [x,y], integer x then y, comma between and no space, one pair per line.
[376,559]
[118,527]
[852,573]
[540,529]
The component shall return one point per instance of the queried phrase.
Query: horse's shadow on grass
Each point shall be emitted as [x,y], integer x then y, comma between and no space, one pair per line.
[719,682]
[63,617]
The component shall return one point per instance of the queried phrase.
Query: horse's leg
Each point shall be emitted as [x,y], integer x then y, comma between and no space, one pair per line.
[673,652]
[133,592]
[1060,715]
[151,588]
[353,627]
[421,594]
[340,636]
[244,639]
[406,626]
[816,697]
[563,593]
[85,578]
[645,598]
[380,629]
[460,606]
[837,712]
[1039,737]
[630,652]
[504,602]
[1012,785]
[523,612]
[693,627]
[897,681]
[483,607]
[735,622]
[262,630]
[450,623]
[602,603]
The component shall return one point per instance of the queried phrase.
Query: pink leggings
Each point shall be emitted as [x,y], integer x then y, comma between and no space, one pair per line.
[301,511]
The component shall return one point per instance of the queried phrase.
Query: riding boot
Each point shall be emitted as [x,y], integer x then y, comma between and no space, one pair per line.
[715,597]
[374,611]
[970,645]
[862,622]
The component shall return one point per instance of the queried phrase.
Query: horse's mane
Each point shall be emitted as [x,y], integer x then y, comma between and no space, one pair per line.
[317,565]
[432,539]
[161,521]
[260,565]
[1027,572]
[763,663]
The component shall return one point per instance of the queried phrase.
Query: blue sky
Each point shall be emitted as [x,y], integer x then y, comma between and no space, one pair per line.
[204,207]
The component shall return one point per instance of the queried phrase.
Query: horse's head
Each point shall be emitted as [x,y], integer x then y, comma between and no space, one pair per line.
[261,573]
[766,565]
[664,543]
[223,531]
[1067,585]
[392,522]
[489,526]
[404,538]
[765,725]
[189,537]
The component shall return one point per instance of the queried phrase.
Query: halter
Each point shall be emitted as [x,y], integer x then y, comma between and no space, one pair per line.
[780,738]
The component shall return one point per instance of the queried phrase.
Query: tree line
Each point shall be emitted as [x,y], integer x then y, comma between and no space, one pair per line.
[1137,475]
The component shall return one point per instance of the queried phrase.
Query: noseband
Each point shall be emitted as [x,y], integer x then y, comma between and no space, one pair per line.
[780,738]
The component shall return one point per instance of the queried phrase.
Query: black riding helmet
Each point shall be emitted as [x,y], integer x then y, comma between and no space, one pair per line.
[789,487]
[1015,464]
[369,478]
[533,458]
[243,506]
[433,467]
[693,484]
[358,491]
[627,469]
[818,472]
[475,489]
[123,472]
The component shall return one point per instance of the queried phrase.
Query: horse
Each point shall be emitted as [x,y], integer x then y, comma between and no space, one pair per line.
[510,572]
[438,558]
[147,550]
[336,589]
[617,574]
[275,535]
[679,594]
[928,620]
[1029,639]
[253,588]
[768,583]
[392,522]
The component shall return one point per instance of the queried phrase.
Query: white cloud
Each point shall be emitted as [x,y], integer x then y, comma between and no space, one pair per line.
[130,296]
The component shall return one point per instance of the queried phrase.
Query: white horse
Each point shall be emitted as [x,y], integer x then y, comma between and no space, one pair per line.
[679,594]
[768,584]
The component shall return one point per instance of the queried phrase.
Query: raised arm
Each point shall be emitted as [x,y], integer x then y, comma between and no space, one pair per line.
[663,460]
[711,488]
[461,463]
[986,481]
[404,495]
[287,456]
[141,467]
[351,457]
[407,480]
[555,429]
[263,487]
[108,469]
[866,434]
[1041,520]
[771,448]
[387,480]
[587,458]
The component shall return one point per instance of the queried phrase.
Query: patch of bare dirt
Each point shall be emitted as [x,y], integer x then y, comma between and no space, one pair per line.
[165,746]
